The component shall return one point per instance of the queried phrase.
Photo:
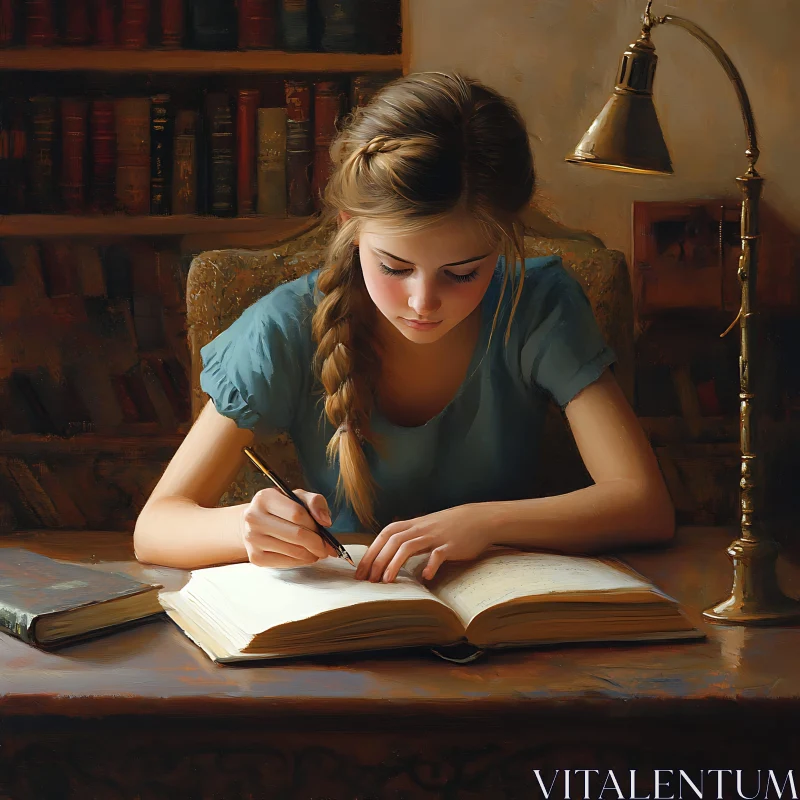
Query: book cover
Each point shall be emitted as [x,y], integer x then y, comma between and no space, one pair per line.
[299,149]
[160,155]
[329,99]
[338,25]
[272,161]
[184,170]
[73,154]
[222,146]
[77,28]
[34,587]
[294,25]
[105,22]
[103,136]
[134,24]
[133,154]
[43,161]
[258,24]
[40,23]
[172,23]
[246,113]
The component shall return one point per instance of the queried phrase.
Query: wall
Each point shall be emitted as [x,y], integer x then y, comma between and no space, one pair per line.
[557,59]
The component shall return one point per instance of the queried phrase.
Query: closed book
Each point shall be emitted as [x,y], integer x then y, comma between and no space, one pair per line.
[299,147]
[172,23]
[104,13]
[184,165]
[258,24]
[272,161]
[17,198]
[44,195]
[338,25]
[103,148]
[329,100]
[134,24]
[364,87]
[8,22]
[246,124]
[40,23]
[505,598]
[133,154]
[294,25]
[73,154]
[46,602]
[213,24]
[77,28]
[221,146]
[161,155]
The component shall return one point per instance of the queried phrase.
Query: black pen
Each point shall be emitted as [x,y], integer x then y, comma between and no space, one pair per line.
[323,532]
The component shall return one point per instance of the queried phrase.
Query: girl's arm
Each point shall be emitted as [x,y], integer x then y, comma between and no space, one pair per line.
[628,503]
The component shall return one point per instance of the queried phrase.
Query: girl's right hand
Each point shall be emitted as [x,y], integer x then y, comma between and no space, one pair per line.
[277,532]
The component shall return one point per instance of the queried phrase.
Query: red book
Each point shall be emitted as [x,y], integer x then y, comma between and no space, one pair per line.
[133,154]
[105,23]
[257,24]
[77,29]
[172,16]
[328,107]
[40,25]
[246,112]
[298,100]
[104,155]
[134,24]
[7,22]
[73,154]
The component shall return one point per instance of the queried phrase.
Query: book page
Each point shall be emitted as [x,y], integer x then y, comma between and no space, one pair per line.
[502,575]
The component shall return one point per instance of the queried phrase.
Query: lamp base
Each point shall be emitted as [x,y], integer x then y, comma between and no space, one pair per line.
[756,597]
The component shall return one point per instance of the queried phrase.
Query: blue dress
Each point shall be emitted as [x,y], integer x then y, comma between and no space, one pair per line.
[485,445]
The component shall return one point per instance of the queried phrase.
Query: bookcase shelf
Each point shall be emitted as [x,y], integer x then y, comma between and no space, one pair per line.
[59,225]
[72,59]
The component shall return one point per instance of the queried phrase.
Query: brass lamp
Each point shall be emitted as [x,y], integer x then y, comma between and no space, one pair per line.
[626,136]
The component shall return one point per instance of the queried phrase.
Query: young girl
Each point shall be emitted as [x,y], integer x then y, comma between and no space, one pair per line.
[410,418]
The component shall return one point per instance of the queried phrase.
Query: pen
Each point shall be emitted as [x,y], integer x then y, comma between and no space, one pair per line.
[323,532]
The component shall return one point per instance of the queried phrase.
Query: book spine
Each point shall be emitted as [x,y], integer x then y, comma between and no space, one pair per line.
[364,87]
[77,30]
[172,23]
[104,155]
[134,24]
[8,22]
[18,158]
[223,170]
[213,25]
[160,155]
[105,23]
[5,158]
[257,24]
[73,158]
[299,152]
[40,24]
[44,195]
[272,161]
[378,25]
[133,154]
[328,108]
[294,24]
[184,171]
[339,25]
[246,112]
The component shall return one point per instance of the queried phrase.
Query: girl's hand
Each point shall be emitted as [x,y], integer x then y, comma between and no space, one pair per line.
[454,534]
[277,532]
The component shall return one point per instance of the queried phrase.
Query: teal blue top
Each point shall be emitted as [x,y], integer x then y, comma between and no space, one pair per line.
[484,445]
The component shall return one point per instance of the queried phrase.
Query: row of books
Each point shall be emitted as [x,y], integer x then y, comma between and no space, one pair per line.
[108,346]
[141,155]
[352,26]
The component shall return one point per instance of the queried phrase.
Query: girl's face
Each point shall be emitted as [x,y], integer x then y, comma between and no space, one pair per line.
[425,284]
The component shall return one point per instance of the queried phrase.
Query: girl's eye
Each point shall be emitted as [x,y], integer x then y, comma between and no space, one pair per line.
[389,271]
[470,276]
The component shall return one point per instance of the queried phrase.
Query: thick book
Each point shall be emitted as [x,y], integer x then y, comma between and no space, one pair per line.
[172,23]
[134,24]
[74,124]
[77,27]
[246,125]
[103,136]
[506,598]
[299,146]
[184,164]
[133,154]
[40,23]
[271,166]
[105,23]
[46,602]
[258,24]
[294,25]
[222,145]
[329,98]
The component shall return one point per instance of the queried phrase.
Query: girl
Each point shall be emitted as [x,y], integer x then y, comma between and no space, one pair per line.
[410,418]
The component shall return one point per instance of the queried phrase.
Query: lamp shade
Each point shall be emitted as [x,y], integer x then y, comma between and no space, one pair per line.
[626,134]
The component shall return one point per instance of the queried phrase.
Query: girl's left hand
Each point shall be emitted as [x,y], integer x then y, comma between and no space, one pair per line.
[454,534]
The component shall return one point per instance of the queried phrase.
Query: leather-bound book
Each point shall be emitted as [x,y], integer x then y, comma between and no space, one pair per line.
[184,165]
[246,112]
[294,25]
[105,22]
[272,161]
[8,23]
[103,137]
[222,145]
[172,23]
[258,24]
[378,26]
[160,155]
[43,160]
[73,154]
[213,24]
[338,25]
[40,23]
[77,28]
[328,108]
[134,24]
[133,154]
[45,602]
[364,87]
[299,150]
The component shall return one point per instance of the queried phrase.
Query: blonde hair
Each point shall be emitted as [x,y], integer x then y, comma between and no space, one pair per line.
[426,145]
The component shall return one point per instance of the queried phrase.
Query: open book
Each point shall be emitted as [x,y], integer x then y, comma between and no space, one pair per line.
[505,598]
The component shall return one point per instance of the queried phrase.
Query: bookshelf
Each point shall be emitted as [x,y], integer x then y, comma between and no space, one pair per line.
[96,470]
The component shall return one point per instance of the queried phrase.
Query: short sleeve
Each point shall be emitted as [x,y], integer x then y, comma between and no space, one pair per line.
[563,349]
[255,370]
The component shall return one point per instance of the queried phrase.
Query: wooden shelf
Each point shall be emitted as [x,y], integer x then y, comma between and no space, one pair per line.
[53,225]
[76,59]
[160,445]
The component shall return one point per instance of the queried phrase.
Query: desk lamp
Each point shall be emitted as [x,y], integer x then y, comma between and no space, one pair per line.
[626,136]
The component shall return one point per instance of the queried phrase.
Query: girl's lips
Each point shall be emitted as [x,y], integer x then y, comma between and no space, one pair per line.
[422,326]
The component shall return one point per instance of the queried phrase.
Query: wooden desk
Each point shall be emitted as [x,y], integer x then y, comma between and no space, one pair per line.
[143,713]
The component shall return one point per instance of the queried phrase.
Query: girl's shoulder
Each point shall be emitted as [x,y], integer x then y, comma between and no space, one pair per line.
[289,306]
